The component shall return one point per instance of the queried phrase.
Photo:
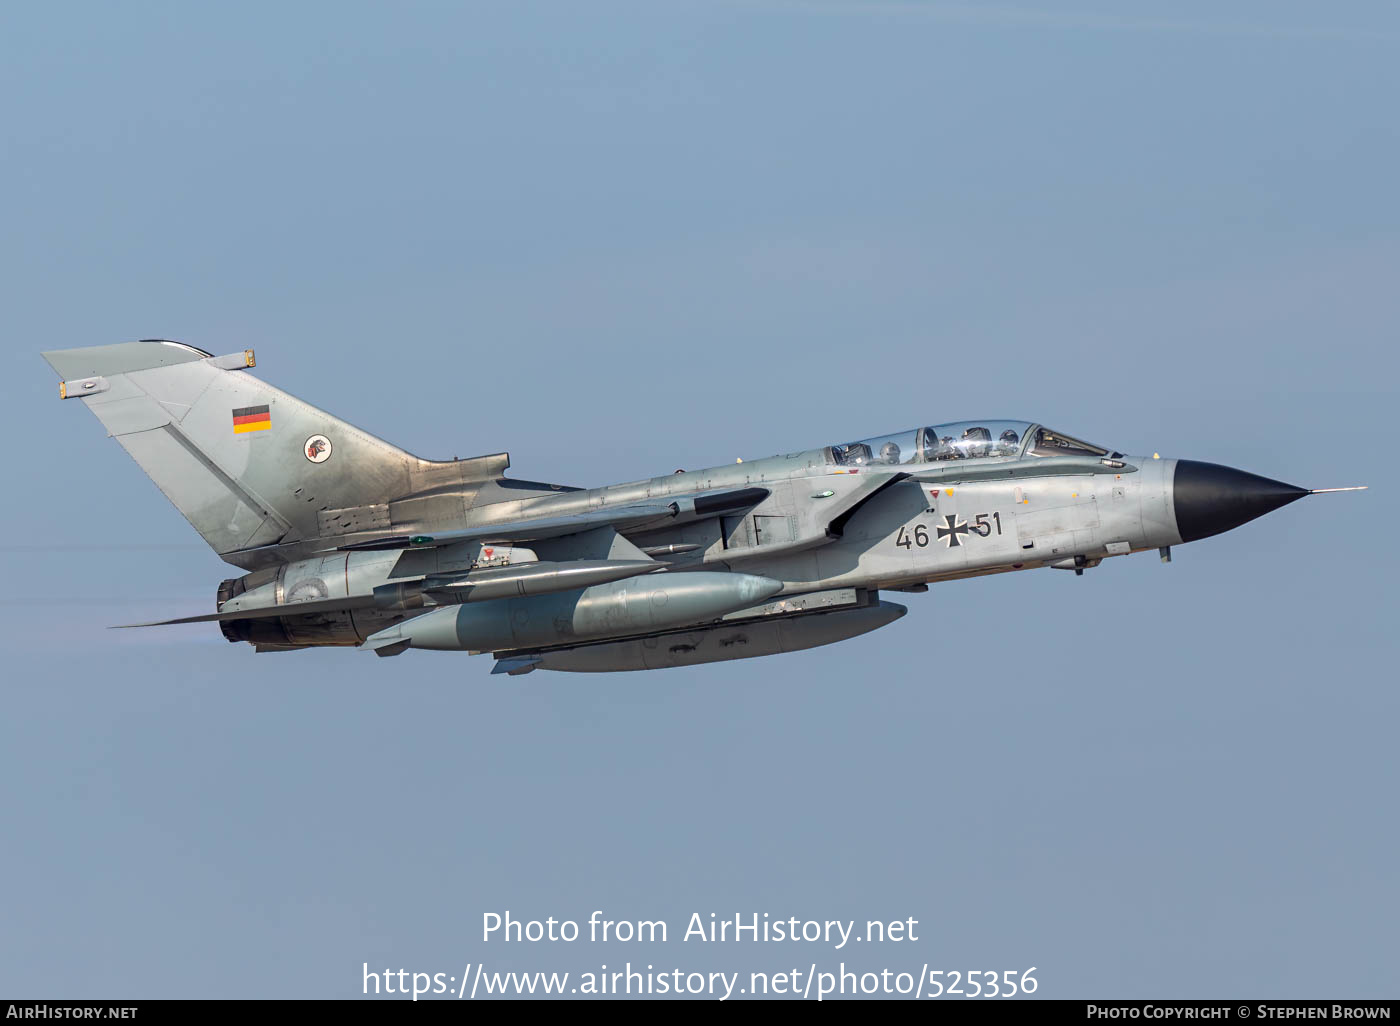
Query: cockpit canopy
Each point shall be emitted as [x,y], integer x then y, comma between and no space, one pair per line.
[963,440]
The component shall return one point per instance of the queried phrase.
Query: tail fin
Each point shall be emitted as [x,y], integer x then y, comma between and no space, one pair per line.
[247,464]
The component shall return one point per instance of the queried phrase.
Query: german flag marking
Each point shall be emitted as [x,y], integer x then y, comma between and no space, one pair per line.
[251,418]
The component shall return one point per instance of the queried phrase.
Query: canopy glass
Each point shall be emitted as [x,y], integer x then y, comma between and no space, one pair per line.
[962,440]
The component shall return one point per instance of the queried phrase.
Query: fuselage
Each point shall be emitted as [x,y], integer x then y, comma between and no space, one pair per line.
[826,524]
[743,550]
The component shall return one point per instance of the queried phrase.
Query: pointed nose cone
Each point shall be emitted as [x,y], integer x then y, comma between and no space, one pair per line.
[1210,498]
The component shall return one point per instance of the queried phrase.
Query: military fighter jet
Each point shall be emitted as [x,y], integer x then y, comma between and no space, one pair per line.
[348,540]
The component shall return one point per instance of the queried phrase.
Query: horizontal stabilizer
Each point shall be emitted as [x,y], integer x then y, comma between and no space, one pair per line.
[262,613]
[477,585]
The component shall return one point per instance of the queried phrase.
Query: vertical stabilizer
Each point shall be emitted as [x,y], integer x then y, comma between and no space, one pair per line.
[247,464]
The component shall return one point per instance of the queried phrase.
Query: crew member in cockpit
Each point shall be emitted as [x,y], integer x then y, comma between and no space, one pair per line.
[889,453]
[1009,441]
[975,443]
[926,447]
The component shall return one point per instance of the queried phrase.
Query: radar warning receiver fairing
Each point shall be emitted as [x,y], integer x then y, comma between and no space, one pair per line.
[347,540]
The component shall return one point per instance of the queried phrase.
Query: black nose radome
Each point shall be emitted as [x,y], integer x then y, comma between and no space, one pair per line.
[1210,498]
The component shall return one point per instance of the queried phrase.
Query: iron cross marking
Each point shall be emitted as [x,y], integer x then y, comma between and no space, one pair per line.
[952,531]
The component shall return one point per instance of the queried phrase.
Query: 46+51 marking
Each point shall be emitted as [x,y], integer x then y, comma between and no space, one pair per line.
[981,525]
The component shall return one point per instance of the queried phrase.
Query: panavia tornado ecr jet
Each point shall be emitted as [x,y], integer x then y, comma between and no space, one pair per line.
[348,540]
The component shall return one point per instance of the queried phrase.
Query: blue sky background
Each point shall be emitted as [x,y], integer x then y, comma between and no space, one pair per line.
[615,239]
